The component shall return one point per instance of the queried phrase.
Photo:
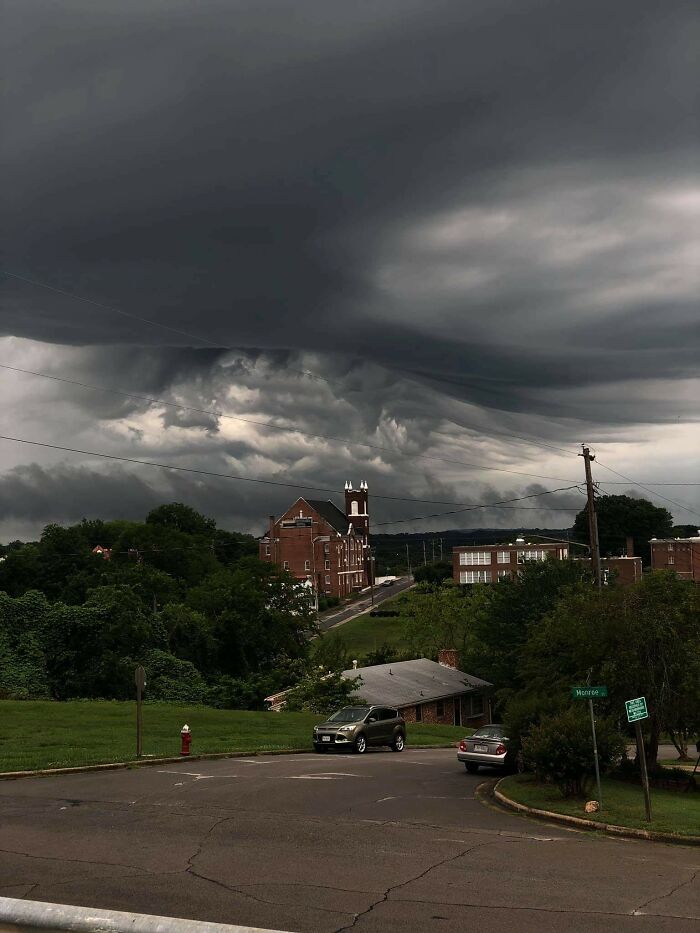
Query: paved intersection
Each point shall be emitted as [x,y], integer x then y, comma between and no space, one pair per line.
[329,843]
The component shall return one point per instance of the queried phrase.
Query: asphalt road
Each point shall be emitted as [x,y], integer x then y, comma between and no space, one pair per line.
[381,593]
[381,842]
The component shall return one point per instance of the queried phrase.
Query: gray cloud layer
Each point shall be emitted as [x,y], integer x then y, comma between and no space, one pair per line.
[485,213]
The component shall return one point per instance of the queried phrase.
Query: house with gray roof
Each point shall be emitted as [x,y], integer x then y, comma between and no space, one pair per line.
[427,691]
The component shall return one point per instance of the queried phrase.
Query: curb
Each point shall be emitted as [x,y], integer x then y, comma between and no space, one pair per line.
[38,915]
[610,828]
[147,762]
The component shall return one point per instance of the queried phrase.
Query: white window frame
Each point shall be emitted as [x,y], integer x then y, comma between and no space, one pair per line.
[285,565]
[504,557]
[504,574]
[307,565]
[327,565]
[475,576]
[474,558]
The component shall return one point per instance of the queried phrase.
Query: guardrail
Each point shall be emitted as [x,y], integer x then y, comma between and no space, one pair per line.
[20,915]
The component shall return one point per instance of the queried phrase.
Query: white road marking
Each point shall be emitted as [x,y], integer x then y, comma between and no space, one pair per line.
[382,799]
[310,777]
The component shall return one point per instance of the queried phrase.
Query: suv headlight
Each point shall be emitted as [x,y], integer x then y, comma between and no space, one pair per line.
[346,729]
[315,728]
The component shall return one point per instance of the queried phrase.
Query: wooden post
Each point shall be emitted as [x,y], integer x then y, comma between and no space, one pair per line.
[140,681]
[642,756]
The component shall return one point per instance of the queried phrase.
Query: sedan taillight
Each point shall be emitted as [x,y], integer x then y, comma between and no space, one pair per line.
[462,746]
[501,750]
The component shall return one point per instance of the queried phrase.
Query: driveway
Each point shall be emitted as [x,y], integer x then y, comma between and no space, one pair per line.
[327,843]
[381,594]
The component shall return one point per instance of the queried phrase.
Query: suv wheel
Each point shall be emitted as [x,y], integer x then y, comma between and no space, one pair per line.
[398,743]
[360,744]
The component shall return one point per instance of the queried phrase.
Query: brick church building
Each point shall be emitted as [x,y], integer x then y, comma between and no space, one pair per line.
[317,542]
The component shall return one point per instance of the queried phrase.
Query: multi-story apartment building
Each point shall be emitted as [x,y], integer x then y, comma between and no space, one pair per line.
[681,555]
[493,562]
[317,542]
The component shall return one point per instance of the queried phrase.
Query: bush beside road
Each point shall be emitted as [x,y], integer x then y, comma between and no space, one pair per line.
[623,805]
[46,734]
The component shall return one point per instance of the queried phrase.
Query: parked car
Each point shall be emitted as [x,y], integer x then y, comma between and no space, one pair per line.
[358,727]
[489,746]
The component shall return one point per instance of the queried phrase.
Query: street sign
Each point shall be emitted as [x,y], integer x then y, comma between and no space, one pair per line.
[636,709]
[588,693]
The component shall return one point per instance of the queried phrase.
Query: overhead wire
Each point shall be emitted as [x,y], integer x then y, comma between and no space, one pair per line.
[249,479]
[646,488]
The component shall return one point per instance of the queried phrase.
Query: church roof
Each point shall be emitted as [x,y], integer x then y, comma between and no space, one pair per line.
[332,514]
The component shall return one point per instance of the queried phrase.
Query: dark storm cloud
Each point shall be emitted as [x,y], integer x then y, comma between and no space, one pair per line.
[477,214]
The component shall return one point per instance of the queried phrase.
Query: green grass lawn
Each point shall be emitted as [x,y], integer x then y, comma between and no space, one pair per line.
[45,734]
[367,633]
[623,805]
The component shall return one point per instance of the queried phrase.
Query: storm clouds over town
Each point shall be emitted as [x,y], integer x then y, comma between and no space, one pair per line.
[441,243]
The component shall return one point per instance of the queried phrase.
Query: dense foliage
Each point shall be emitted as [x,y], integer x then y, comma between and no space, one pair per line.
[623,516]
[208,620]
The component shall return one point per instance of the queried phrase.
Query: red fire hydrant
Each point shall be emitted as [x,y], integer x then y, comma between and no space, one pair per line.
[186,736]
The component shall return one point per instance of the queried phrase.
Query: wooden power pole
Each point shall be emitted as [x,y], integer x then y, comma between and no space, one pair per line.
[592,518]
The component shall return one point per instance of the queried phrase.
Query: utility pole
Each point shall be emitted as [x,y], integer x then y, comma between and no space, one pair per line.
[408,562]
[433,544]
[371,573]
[440,550]
[592,517]
[424,560]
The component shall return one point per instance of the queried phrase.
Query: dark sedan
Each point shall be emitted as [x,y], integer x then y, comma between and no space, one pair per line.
[489,746]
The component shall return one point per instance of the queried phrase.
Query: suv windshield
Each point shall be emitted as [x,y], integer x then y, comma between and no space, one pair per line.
[349,714]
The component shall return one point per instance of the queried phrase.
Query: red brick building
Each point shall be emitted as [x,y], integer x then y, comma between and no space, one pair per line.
[493,562]
[317,542]
[489,563]
[681,555]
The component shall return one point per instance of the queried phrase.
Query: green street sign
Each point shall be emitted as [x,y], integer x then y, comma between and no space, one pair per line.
[636,709]
[588,693]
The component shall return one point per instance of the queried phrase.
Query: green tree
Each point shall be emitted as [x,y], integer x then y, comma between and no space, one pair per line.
[178,517]
[23,672]
[433,574]
[443,617]
[323,692]
[620,516]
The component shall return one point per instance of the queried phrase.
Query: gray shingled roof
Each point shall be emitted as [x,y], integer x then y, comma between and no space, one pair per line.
[332,514]
[404,683]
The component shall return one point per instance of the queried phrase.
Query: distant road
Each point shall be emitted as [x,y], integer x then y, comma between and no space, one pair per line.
[381,593]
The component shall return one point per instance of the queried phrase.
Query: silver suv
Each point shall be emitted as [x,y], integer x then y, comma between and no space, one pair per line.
[357,727]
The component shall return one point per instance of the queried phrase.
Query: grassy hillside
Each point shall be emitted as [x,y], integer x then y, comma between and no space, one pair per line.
[45,734]
[367,633]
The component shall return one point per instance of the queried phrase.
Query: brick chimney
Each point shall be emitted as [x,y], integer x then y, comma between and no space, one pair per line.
[448,657]
[629,542]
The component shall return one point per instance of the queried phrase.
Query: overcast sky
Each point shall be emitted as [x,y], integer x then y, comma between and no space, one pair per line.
[449,230]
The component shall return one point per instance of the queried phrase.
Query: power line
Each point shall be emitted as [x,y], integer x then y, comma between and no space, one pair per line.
[275,427]
[469,508]
[210,343]
[248,479]
[679,505]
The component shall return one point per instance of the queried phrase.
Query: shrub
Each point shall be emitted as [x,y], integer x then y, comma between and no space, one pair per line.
[560,749]
[169,678]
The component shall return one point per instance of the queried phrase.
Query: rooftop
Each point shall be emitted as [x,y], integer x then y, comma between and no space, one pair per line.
[404,683]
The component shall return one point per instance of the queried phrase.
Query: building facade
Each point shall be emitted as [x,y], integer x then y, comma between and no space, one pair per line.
[682,555]
[318,543]
[489,563]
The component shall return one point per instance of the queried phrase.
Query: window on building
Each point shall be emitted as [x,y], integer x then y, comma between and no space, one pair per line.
[670,547]
[327,565]
[440,709]
[354,508]
[475,576]
[326,548]
[267,550]
[671,560]
[470,558]
[285,565]
[419,713]
[524,556]
[474,705]
[503,574]
[328,580]
[307,565]
[504,557]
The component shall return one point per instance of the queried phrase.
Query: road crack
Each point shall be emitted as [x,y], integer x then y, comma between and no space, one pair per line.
[639,911]
[397,887]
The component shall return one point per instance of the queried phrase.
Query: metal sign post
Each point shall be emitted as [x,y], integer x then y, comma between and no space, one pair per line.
[588,693]
[636,712]
[140,681]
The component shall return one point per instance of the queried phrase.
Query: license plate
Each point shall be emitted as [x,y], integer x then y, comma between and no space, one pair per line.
[481,748]
[325,738]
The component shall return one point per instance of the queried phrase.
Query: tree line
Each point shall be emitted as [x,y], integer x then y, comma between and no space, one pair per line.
[192,603]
